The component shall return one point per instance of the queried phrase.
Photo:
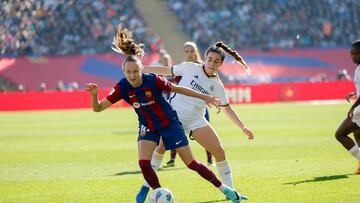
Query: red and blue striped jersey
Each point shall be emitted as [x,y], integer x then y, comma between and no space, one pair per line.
[152,108]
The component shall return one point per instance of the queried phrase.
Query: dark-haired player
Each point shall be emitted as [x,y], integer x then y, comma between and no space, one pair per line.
[351,124]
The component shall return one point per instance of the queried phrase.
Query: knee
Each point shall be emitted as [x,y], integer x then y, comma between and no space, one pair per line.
[219,151]
[160,149]
[339,135]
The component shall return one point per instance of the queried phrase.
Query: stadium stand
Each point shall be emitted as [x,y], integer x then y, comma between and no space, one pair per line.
[270,24]
[282,41]
[37,28]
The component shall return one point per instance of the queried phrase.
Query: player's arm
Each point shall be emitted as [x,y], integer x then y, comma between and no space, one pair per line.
[229,111]
[97,105]
[210,100]
[160,70]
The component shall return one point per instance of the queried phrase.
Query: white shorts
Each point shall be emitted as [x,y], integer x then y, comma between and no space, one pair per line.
[356,116]
[191,120]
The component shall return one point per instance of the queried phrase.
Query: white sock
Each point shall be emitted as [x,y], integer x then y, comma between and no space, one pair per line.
[155,164]
[355,151]
[222,187]
[223,168]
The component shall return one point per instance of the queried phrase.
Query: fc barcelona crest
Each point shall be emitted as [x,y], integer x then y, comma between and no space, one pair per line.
[148,93]
[143,130]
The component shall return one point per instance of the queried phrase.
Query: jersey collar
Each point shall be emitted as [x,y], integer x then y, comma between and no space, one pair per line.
[209,76]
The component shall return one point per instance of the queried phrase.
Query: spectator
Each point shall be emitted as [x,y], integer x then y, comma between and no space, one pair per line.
[42,27]
[60,86]
[74,86]
[42,87]
[270,24]
[21,88]
[343,75]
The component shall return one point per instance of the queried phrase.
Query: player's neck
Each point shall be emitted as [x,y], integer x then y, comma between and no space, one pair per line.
[209,73]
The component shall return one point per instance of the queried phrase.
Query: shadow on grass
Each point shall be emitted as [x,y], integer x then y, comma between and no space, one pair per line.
[220,200]
[321,178]
[139,171]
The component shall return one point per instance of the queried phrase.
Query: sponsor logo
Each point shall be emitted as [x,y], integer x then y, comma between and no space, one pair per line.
[178,142]
[136,105]
[196,76]
[199,88]
[212,88]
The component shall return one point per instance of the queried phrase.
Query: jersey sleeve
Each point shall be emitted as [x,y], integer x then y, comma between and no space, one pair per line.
[181,69]
[115,94]
[163,84]
[220,92]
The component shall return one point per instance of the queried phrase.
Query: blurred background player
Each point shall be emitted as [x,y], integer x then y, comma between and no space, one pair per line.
[157,119]
[192,54]
[343,75]
[351,124]
[203,78]
[164,60]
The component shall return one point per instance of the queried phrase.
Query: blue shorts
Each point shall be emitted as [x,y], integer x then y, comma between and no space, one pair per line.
[173,135]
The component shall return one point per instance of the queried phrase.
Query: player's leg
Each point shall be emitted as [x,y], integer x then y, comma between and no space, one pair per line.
[171,162]
[209,158]
[207,137]
[158,155]
[156,160]
[208,154]
[145,151]
[357,140]
[356,134]
[147,141]
[187,157]
[342,135]
[174,138]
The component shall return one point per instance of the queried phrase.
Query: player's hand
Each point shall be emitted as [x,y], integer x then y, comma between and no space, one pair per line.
[212,101]
[349,96]
[92,88]
[350,113]
[248,133]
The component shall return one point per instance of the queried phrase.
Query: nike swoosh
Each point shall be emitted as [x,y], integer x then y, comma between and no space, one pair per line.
[131,96]
[178,142]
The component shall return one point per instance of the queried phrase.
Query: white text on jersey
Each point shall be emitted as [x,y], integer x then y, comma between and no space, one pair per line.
[198,87]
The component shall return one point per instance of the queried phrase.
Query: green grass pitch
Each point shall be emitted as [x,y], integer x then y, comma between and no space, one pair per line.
[82,156]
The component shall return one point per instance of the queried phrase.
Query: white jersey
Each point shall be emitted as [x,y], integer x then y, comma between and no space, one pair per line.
[195,77]
[357,80]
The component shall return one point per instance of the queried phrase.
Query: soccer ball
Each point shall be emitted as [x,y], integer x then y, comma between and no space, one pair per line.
[161,195]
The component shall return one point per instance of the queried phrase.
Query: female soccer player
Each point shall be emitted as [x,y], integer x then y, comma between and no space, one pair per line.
[156,116]
[192,54]
[202,78]
[351,124]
